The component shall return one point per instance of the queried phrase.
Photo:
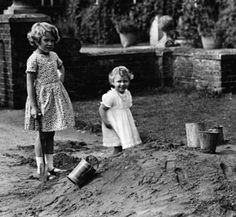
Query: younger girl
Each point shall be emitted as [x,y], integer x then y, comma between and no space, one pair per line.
[47,98]
[118,127]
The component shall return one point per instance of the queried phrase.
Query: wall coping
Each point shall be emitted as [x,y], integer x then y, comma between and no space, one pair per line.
[19,18]
[214,54]
[115,49]
[200,53]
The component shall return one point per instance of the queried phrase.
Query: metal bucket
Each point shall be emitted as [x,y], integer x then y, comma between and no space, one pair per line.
[219,129]
[192,134]
[81,173]
[208,141]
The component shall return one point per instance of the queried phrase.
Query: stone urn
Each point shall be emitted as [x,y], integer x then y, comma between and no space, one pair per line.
[208,42]
[128,39]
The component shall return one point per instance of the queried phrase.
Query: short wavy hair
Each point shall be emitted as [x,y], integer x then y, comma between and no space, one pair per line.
[39,29]
[122,71]
[166,23]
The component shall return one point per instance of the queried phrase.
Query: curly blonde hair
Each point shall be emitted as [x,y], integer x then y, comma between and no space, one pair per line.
[122,71]
[39,29]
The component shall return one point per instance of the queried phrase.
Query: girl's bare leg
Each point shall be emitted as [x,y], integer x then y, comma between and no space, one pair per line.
[38,151]
[49,154]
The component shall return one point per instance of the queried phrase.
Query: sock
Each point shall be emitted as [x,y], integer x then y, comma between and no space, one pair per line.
[39,161]
[49,161]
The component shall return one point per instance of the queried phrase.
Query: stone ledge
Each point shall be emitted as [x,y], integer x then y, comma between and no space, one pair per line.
[216,54]
[116,49]
[15,18]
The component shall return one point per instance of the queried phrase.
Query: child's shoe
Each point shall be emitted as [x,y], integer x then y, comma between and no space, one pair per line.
[55,171]
[117,150]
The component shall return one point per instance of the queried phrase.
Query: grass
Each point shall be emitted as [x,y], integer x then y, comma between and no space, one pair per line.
[161,115]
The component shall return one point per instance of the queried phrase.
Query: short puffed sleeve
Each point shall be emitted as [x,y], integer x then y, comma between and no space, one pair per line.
[31,64]
[108,99]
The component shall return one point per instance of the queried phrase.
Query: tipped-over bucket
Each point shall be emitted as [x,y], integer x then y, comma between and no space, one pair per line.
[81,173]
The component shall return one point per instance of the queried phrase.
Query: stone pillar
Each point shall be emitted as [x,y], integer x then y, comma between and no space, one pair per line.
[14,51]
[165,64]
[19,7]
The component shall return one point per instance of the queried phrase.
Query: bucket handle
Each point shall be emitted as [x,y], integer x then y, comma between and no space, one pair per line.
[93,161]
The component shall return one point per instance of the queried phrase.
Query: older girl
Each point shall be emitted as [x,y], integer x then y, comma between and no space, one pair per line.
[47,98]
[118,127]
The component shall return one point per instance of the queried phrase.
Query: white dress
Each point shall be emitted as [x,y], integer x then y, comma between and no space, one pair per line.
[51,96]
[119,115]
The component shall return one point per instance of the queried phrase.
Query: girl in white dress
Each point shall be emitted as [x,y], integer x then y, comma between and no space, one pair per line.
[118,127]
[47,98]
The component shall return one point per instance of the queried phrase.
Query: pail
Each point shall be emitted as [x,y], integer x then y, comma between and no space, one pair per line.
[209,141]
[81,173]
[192,133]
[219,129]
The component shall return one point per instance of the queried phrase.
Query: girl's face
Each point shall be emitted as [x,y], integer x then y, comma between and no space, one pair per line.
[47,43]
[121,83]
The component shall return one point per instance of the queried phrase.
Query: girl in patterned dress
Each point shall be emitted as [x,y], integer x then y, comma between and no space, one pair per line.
[118,127]
[47,98]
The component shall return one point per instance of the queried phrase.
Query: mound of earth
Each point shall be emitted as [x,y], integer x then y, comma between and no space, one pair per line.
[150,180]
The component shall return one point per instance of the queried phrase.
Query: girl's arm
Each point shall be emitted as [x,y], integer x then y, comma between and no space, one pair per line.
[103,113]
[30,78]
[61,73]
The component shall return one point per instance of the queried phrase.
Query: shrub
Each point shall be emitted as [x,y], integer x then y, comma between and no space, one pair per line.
[227,24]
[199,17]
[99,23]
[125,25]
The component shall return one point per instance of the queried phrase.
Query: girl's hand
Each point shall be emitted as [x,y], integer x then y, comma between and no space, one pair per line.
[108,125]
[34,112]
[61,73]
[61,77]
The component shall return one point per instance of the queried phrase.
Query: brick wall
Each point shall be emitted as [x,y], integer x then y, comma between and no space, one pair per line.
[14,50]
[214,70]
[6,85]
[87,71]
[183,67]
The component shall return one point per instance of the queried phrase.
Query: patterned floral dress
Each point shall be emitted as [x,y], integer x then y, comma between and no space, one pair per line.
[124,131]
[52,98]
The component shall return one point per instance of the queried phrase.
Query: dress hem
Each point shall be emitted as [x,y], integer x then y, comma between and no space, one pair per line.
[65,128]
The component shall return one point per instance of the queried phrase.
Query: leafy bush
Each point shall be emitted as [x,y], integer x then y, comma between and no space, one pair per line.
[126,25]
[200,18]
[97,23]
[227,23]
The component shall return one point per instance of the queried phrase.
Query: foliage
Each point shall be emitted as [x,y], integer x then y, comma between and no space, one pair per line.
[138,16]
[99,23]
[69,24]
[206,15]
[227,23]
[66,29]
[126,25]
[199,17]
